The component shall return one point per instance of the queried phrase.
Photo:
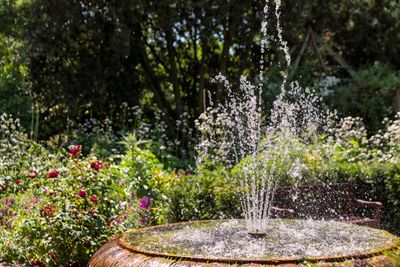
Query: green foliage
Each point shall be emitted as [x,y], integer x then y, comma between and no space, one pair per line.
[371,96]
[204,195]
[81,59]
[13,80]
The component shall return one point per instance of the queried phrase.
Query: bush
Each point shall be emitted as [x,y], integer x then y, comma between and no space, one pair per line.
[59,208]
[205,195]
[63,211]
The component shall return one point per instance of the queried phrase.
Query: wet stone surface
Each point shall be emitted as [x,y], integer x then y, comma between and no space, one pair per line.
[283,239]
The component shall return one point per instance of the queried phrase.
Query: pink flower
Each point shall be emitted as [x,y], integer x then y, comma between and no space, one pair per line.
[144,220]
[32,174]
[75,150]
[145,203]
[94,199]
[53,174]
[96,165]
[118,220]
[26,208]
[6,202]
[82,193]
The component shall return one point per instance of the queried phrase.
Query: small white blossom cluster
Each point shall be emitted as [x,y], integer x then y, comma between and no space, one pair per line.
[386,144]
[133,118]
[326,83]
[12,139]
[352,136]
[9,127]
[92,127]
[351,128]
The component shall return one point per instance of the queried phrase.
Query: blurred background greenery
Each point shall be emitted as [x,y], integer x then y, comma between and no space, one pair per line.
[136,62]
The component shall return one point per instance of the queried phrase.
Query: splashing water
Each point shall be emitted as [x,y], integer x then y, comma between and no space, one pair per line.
[286,239]
[237,134]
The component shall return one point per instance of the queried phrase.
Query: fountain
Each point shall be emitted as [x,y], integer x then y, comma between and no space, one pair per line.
[237,136]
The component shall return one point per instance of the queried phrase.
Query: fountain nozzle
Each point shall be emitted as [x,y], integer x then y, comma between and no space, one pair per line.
[257,234]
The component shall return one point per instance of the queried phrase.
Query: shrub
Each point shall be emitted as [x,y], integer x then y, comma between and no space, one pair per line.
[204,195]
[58,208]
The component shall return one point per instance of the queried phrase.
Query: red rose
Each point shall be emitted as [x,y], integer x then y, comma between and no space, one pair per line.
[54,256]
[48,210]
[94,199]
[92,212]
[18,182]
[53,174]
[82,193]
[75,150]
[32,173]
[37,263]
[86,244]
[96,165]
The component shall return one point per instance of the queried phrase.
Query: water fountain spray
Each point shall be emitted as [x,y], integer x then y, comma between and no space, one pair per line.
[239,134]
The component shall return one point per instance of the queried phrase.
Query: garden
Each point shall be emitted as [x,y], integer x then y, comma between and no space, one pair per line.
[103,106]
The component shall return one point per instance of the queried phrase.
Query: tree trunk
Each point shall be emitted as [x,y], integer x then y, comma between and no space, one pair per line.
[224,59]
[397,99]
[174,71]
[169,114]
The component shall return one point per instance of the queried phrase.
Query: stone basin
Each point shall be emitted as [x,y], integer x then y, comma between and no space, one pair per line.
[226,242]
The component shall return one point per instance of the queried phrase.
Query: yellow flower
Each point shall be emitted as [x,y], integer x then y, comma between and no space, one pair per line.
[312,159]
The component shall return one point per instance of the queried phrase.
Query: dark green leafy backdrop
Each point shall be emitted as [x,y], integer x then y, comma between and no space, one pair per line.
[71,60]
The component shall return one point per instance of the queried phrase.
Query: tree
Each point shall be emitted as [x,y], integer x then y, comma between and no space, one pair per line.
[87,57]
[14,84]
[82,58]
